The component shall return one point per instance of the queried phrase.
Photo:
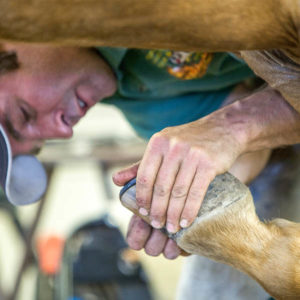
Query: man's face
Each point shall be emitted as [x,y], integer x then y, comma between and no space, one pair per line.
[50,92]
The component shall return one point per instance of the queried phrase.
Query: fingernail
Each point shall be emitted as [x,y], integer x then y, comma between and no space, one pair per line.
[171,228]
[183,223]
[156,224]
[171,256]
[143,211]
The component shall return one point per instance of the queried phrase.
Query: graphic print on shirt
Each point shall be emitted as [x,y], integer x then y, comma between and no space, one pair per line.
[182,65]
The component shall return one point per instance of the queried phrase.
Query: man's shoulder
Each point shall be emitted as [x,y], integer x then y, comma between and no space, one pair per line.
[112,55]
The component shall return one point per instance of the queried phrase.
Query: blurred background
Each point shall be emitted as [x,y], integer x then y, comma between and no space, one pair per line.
[71,245]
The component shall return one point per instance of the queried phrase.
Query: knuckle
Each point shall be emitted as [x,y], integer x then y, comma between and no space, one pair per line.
[142,181]
[157,139]
[161,190]
[134,244]
[202,156]
[195,194]
[141,227]
[176,149]
[179,192]
[207,163]
[141,201]
[177,145]
[196,153]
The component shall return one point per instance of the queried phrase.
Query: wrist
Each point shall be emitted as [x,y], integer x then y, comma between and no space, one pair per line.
[263,120]
[237,124]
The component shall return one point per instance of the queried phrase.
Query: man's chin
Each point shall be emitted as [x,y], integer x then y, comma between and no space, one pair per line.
[25,147]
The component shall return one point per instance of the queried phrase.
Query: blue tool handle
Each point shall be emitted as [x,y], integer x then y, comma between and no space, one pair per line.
[127,186]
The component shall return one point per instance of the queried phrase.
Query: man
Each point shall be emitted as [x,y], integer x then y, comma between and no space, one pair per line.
[54,87]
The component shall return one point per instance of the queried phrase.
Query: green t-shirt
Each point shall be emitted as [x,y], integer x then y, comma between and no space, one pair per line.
[160,88]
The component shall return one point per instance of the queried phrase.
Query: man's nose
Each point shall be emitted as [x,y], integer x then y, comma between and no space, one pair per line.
[62,127]
[52,127]
[57,132]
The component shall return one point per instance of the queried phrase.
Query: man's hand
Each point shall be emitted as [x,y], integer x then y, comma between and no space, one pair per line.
[180,162]
[177,167]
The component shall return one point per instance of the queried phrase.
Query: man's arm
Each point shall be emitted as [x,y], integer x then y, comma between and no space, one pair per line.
[186,25]
[180,162]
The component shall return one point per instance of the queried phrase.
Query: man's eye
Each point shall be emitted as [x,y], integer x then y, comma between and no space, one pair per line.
[81,103]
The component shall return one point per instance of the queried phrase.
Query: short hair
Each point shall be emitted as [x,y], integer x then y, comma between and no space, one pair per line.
[8,61]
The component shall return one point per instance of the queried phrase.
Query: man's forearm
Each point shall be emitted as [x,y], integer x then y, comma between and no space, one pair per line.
[186,25]
[262,121]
